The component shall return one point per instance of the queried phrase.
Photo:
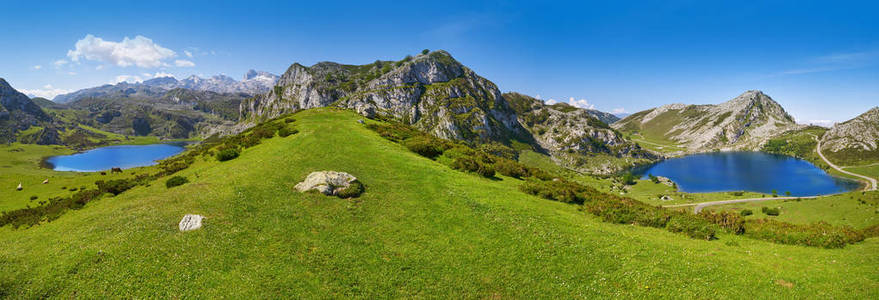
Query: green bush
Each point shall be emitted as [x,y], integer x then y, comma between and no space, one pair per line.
[354,189]
[227,154]
[770,211]
[819,234]
[558,190]
[620,210]
[34,198]
[176,181]
[287,131]
[425,146]
[746,212]
[692,227]
[116,186]
[653,178]
[475,165]
[425,51]
[510,168]
[628,179]
[732,222]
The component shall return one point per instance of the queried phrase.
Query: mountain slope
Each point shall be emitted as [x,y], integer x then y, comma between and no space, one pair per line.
[18,113]
[854,141]
[743,123]
[419,230]
[433,92]
[253,83]
[568,132]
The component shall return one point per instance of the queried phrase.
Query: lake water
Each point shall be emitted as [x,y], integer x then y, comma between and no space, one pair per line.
[105,158]
[747,171]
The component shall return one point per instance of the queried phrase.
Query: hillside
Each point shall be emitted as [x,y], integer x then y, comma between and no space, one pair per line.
[855,141]
[456,234]
[431,91]
[743,123]
[19,113]
[574,134]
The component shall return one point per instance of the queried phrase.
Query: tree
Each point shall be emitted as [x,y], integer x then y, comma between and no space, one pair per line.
[787,193]
[425,51]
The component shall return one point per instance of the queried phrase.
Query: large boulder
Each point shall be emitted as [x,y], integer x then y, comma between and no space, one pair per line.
[326,182]
[190,222]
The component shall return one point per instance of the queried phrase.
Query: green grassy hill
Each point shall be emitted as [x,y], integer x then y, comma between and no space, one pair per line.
[421,229]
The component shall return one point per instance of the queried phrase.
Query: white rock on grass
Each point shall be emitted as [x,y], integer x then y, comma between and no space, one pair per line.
[326,182]
[190,222]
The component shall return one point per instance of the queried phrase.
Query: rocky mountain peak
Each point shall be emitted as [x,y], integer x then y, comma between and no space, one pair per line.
[855,136]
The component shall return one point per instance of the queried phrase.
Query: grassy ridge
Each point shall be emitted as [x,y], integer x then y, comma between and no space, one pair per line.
[421,229]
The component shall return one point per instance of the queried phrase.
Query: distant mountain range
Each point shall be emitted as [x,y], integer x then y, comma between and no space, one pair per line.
[253,82]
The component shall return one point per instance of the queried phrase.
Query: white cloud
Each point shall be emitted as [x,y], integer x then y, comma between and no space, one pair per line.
[823,123]
[188,54]
[48,92]
[619,110]
[582,103]
[538,97]
[162,74]
[37,67]
[127,78]
[99,67]
[139,51]
[551,102]
[60,62]
[71,73]
[184,63]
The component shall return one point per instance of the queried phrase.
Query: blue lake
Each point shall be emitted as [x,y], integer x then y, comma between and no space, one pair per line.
[747,171]
[105,158]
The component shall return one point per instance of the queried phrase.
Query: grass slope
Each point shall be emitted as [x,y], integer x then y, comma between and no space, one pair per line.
[421,229]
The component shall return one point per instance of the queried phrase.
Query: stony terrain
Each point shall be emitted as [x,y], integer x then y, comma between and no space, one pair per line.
[743,123]
[432,91]
[854,140]
[568,132]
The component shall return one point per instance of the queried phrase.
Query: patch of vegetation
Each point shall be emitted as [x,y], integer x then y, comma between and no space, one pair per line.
[354,190]
[227,154]
[176,181]
[818,234]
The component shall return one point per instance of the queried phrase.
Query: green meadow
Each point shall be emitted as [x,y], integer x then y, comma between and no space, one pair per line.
[420,230]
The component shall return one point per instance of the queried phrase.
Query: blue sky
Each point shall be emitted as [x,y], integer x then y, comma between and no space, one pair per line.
[819,60]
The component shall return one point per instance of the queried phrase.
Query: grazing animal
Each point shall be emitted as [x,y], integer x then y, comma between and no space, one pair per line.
[46,181]
[19,187]
[116,170]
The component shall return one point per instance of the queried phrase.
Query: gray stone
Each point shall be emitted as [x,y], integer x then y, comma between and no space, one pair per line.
[190,222]
[326,182]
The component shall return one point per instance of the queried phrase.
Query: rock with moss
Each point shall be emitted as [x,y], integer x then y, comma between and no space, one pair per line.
[330,183]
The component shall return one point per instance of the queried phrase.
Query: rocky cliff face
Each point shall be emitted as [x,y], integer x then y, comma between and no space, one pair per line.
[17,113]
[433,92]
[855,137]
[743,123]
[564,128]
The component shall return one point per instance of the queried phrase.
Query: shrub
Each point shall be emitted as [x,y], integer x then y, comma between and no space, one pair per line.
[729,221]
[746,212]
[425,51]
[819,234]
[425,146]
[692,227]
[510,168]
[176,181]
[470,164]
[653,178]
[115,187]
[227,154]
[498,149]
[354,189]
[770,211]
[628,179]
[558,190]
[34,198]
[286,131]
[619,210]
[289,120]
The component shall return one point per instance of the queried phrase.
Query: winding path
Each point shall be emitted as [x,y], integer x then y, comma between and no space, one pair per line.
[871,182]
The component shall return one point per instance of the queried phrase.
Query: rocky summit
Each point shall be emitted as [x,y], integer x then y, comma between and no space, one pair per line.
[17,113]
[433,92]
[858,137]
[743,123]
